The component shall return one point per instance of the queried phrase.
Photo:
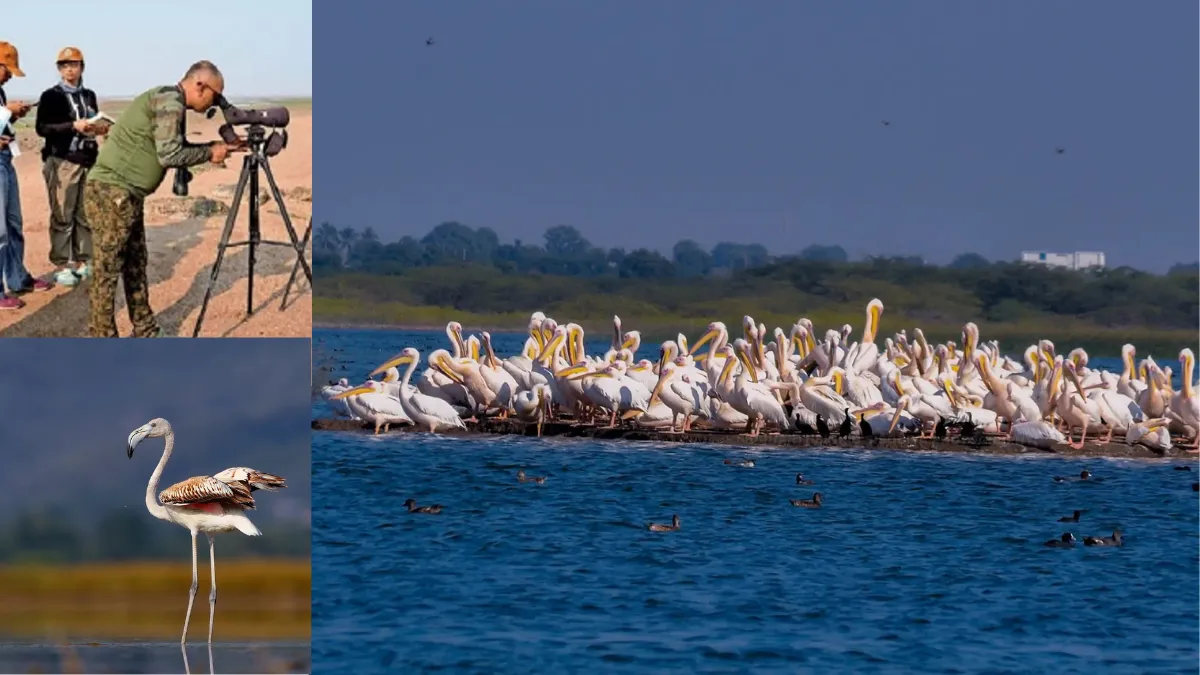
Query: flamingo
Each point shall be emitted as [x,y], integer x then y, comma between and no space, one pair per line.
[208,504]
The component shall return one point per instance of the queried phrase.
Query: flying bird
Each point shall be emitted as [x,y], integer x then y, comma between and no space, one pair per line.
[1060,150]
[208,504]
[887,123]
[429,42]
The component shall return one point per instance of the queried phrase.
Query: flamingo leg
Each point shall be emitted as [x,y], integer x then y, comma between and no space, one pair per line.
[612,422]
[212,594]
[191,593]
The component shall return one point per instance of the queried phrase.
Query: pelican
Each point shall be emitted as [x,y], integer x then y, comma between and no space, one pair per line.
[426,412]
[1036,433]
[533,405]
[375,406]
[882,420]
[753,398]
[1185,404]
[338,406]
[1150,433]
[680,396]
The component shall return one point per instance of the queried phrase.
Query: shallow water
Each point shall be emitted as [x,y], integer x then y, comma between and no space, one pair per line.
[154,657]
[915,563]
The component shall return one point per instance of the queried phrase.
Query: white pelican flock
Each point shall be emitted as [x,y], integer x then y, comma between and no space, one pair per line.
[801,381]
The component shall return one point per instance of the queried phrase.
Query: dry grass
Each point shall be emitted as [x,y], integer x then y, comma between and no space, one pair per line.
[258,600]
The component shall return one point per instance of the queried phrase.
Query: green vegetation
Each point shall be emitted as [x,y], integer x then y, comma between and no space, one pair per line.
[459,273]
[258,600]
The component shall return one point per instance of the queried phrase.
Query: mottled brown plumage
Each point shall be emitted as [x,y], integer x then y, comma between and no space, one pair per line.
[230,488]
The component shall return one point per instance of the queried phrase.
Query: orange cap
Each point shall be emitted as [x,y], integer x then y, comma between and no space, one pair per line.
[69,54]
[8,57]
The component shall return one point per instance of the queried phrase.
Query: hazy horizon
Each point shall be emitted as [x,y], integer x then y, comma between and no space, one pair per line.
[641,125]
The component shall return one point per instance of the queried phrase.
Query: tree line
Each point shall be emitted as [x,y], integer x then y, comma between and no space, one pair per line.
[566,252]
[49,535]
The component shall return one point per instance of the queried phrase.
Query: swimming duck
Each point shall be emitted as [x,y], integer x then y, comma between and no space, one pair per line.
[413,508]
[1114,540]
[1083,475]
[1185,467]
[801,480]
[1195,487]
[521,478]
[814,503]
[744,463]
[1066,541]
[1074,518]
[659,527]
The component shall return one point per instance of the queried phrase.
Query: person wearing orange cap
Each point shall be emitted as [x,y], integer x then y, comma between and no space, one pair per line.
[15,277]
[63,115]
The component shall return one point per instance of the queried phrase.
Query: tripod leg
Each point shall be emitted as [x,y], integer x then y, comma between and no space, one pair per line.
[287,220]
[255,234]
[296,266]
[229,221]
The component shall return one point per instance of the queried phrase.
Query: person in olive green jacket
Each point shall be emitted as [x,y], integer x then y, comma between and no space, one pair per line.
[147,139]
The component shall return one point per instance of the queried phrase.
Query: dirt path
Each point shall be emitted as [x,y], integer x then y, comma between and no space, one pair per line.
[182,239]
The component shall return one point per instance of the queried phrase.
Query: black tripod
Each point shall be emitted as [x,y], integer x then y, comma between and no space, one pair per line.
[256,159]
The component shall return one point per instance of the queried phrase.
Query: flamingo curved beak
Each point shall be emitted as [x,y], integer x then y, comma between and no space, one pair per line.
[137,436]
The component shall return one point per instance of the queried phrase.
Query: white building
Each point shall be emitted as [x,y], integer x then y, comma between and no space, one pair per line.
[1076,261]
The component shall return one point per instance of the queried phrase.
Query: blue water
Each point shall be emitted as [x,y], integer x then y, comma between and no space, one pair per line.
[916,562]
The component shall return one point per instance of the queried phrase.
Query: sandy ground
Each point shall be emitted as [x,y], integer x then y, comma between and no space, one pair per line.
[183,247]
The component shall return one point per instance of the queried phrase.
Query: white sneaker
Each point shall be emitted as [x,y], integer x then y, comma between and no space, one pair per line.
[65,278]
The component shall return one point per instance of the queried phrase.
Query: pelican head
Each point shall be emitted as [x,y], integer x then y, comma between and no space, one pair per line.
[368,387]
[152,429]
[714,330]
[406,356]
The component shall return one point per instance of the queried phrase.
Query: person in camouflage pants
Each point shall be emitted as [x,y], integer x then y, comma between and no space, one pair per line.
[146,141]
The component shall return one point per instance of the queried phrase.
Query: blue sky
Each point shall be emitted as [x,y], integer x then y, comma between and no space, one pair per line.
[263,47]
[642,123]
[72,403]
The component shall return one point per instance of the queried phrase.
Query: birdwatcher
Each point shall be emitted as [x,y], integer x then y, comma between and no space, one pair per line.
[148,138]
[65,118]
[15,279]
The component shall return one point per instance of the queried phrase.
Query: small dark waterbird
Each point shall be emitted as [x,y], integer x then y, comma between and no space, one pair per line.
[822,427]
[522,478]
[659,527]
[864,428]
[814,503]
[1083,475]
[1184,467]
[939,432]
[744,463]
[967,430]
[846,426]
[411,504]
[1073,518]
[1115,540]
[801,480]
[1067,540]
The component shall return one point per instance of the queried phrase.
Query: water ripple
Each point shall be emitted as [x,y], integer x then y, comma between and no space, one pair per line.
[916,562]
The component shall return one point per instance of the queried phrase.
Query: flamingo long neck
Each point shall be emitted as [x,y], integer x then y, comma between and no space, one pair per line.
[158,510]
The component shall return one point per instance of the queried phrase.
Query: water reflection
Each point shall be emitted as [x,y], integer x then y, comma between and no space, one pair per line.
[155,657]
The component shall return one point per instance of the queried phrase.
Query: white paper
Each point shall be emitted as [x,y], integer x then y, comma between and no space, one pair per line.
[15,148]
[101,117]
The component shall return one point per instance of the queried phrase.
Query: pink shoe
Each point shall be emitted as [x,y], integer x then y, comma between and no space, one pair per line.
[9,302]
[39,285]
